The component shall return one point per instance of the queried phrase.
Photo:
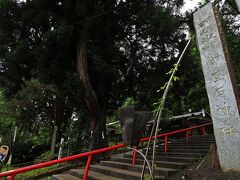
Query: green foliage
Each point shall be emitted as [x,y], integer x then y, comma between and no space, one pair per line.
[34,104]
[159,105]
[7,118]
[75,139]
[129,101]
[26,151]
[112,117]
[33,173]
[174,68]
[47,156]
[42,136]
[147,178]
[230,22]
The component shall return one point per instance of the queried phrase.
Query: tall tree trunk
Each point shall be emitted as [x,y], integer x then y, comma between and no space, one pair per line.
[90,97]
[58,117]
[62,114]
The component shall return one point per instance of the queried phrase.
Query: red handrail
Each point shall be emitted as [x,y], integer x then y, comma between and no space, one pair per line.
[176,132]
[89,154]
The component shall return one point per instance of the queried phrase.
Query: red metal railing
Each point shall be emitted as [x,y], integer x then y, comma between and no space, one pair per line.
[90,154]
[187,130]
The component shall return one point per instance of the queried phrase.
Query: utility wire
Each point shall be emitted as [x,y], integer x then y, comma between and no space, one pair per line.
[84,21]
[107,12]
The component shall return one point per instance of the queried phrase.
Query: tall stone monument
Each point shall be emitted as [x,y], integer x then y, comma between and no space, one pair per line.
[220,87]
[238,4]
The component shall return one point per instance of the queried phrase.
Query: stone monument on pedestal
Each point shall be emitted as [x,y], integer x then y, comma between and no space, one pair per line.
[221,87]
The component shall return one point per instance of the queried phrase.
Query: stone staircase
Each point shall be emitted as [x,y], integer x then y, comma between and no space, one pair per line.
[179,156]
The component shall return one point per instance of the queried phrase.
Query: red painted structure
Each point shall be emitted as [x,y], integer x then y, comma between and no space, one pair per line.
[90,154]
[134,156]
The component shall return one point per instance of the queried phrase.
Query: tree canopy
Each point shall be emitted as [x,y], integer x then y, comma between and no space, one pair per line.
[64,62]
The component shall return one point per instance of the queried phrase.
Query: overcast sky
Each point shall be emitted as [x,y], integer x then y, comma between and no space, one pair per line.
[190,4]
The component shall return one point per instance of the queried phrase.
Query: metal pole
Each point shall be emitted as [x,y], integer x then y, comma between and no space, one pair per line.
[15,134]
[203,130]
[11,153]
[134,156]
[87,167]
[165,144]
[54,137]
[60,149]
[12,177]
[187,136]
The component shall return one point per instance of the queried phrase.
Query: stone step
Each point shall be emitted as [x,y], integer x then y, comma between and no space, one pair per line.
[138,168]
[166,158]
[207,136]
[180,154]
[190,140]
[182,150]
[193,138]
[195,141]
[188,146]
[163,164]
[79,172]
[120,173]
[64,177]
[200,136]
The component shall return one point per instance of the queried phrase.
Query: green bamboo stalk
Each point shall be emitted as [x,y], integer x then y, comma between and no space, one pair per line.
[160,109]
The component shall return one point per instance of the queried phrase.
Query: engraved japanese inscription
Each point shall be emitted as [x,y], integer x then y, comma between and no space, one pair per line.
[222,100]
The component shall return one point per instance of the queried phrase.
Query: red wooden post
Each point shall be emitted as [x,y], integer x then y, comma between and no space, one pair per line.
[203,130]
[134,156]
[187,135]
[12,177]
[87,167]
[165,144]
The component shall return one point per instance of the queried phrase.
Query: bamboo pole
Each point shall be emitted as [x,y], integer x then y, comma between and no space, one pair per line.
[163,102]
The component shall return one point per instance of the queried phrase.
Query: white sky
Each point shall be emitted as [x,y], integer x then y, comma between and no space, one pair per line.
[190,4]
